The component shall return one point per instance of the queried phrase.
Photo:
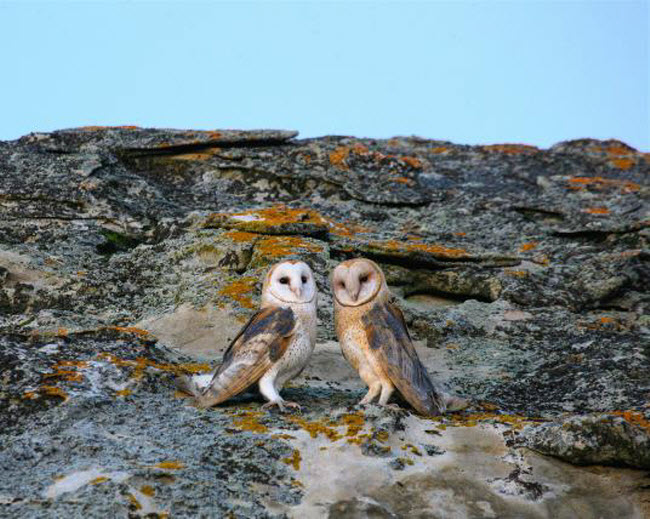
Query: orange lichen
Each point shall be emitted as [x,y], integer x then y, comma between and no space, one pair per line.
[270,221]
[241,290]
[97,128]
[414,162]
[283,436]
[439,149]
[249,421]
[265,219]
[623,163]
[602,323]
[62,332]
[346,229]
[281,246]
[339,157]
[294,460]
[634,417]
[241,236]
[460,234]
[123,392]
[596,210]
[617,149]
[403,180]
[600,183]
[48,391]
[511,149]
[439,251]
[528,246]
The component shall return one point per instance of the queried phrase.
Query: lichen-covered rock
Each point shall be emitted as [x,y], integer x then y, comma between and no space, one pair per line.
[604,439]
[129,255]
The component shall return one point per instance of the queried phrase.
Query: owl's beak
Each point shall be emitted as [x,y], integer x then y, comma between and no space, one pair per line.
[297,290]
[353,289]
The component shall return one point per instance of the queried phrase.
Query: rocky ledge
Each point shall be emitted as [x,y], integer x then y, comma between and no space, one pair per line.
[128,256]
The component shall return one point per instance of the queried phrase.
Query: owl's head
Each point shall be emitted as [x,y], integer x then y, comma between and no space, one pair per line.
[289,282]
[357,281]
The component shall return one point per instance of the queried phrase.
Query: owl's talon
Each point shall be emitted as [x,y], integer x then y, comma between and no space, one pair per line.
[293,405]
[269,405]
[282,405]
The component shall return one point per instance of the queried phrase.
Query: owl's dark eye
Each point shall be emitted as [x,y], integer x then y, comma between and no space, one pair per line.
[284,280]
[304,279]
[363,278]
[342,284]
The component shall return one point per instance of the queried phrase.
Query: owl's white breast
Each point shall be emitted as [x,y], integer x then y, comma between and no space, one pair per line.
[300,348]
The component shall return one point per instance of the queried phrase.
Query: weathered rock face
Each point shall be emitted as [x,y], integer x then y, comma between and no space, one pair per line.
[128,256]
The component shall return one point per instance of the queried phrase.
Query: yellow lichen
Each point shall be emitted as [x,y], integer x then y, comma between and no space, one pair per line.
[515,273]
[169,465]
[516,422]
[140,364]
[412,448]
[134,502]
[294,460]
[249,421]
[317,428]
[98,480]
[147,490]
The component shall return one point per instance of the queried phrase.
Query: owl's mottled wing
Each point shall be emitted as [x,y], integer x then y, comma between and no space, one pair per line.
[254,350]
[390,343]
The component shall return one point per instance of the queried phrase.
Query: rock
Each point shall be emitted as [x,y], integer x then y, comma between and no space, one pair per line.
[131,255]
[619,439]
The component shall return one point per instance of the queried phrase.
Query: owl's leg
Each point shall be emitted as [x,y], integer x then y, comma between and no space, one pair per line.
[373,390]
[387,389]
[269,391]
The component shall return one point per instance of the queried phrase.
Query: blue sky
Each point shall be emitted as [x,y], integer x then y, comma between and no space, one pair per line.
[469,72]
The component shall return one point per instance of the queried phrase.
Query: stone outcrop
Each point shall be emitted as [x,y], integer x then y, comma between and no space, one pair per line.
[129,256]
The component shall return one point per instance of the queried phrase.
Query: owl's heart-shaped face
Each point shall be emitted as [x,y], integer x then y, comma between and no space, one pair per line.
[291,282]
[355,282]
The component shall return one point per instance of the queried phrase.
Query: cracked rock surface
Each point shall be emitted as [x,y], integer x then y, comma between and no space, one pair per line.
[129,256]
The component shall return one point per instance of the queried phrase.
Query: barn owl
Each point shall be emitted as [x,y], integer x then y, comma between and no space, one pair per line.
[272,348]
[374,339]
